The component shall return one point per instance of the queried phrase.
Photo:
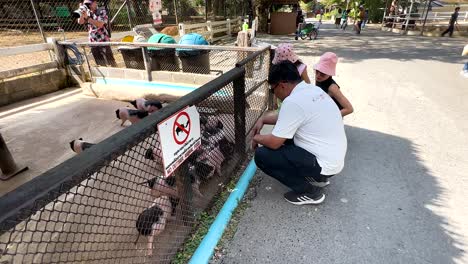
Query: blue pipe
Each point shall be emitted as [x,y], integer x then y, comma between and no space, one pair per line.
[206,248]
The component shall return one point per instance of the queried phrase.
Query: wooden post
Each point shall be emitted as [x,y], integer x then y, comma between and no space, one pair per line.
[7,163]
[181,29]
[228,24]
[243,40]
[239,115]
[210,30]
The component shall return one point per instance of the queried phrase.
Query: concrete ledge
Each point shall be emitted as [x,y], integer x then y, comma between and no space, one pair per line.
[159,76]
[129,93]
[22,88]
[117,89]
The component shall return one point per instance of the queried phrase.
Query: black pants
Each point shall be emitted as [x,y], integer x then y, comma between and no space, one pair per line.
[103,56]
[449,30]
[290,165]
[359,26]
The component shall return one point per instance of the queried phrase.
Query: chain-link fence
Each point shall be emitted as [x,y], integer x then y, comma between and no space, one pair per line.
[112,203]
[25,22]
[177,59]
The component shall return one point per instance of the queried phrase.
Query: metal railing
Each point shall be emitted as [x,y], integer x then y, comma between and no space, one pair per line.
[112,204]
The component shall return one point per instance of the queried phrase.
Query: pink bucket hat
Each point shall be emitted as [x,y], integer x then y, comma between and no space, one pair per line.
[327,63]
[285,52]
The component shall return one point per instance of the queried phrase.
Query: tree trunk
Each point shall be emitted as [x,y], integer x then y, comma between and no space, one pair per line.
[262,14]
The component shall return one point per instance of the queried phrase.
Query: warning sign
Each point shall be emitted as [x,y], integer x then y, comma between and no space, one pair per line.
[180,137]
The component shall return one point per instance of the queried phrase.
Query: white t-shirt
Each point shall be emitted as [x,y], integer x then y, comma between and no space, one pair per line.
[311,117]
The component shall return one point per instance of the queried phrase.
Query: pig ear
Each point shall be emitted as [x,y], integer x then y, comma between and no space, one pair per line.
[80,138]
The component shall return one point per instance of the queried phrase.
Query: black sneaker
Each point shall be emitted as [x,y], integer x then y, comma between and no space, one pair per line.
[320,184]
[304,198]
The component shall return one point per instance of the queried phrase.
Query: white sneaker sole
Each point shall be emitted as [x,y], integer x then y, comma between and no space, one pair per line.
[319,201]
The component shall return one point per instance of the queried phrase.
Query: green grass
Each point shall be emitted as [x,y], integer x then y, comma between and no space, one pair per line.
[206,218]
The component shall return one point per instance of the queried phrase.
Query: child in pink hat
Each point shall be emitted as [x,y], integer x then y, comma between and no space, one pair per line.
[285,52]
[324,70]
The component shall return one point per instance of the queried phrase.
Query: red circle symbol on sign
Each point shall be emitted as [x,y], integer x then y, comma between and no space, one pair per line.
[181,128]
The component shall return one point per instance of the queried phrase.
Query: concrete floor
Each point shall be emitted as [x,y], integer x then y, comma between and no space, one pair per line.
[37,131]
[401,197]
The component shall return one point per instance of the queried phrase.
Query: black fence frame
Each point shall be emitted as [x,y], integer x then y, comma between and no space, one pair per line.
[32,196]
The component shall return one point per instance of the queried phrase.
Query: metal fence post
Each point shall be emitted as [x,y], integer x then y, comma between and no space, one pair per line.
[127,3]
[425,17]
[184,189]
[408,16]
[40,27]
[37,20]
[146,61]
[7,163]
[239,114]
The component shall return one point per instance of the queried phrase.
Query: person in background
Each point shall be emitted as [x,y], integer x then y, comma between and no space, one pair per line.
[344,18]
[453,20]
[338,18]
[299,22]
[324,70]
[308,143]
[366,17]
[96,21]
[361,19]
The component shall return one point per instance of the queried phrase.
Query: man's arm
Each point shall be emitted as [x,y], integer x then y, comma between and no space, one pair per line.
[269,141]
[269,118]
[286,126]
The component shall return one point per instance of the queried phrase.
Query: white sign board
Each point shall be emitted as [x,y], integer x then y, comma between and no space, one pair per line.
[180,137]
[155,7]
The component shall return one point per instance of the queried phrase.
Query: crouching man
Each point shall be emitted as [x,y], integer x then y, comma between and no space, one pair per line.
[308,143]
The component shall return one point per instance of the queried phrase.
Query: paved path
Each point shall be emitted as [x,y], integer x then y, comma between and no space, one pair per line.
[402,197]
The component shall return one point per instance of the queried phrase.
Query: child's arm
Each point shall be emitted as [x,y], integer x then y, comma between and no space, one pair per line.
[305,77]
[335,92]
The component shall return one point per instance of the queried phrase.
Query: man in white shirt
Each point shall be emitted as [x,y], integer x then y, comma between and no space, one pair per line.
[308,143]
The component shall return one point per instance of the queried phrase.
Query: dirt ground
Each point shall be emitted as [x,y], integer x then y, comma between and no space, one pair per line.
[59,118]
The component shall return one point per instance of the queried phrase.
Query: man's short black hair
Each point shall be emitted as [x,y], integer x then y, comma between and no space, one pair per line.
[284,71]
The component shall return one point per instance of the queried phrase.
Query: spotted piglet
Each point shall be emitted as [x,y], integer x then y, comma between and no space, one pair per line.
[131,115]
[78,145]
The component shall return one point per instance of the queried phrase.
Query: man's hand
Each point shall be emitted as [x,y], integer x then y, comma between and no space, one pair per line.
[258,126]
[254,144]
